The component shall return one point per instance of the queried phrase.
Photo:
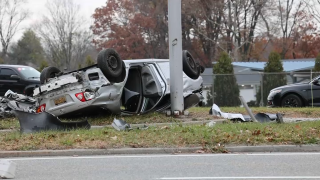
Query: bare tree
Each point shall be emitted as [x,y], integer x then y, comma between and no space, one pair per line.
[290,16]
[11,15]
[313,8]
[202,21]
[63,32]
[241,19]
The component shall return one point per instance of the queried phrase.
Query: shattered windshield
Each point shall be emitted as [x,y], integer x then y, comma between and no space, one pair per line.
[29,72]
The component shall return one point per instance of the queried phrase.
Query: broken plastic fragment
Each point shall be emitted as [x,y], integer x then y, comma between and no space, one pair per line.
[7,169]
[32,122]
[121,125]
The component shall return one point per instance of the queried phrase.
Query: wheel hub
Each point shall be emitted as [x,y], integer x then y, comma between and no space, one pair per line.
[191,62]
[291,102]
[113,62]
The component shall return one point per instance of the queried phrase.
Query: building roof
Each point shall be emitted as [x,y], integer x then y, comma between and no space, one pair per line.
[289,65]
[246,72]
[244,76]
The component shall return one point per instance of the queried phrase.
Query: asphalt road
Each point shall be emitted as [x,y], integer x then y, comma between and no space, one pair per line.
[173,167]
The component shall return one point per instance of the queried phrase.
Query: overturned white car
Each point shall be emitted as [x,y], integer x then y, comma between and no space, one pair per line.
[128,86]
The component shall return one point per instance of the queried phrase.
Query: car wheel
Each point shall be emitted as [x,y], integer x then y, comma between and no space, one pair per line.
[47,73]
[110,63]
[291,100]
[190,67]
[120,78]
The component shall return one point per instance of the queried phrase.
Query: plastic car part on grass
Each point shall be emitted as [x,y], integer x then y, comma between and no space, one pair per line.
[32,122]
[260,117]
[122,125]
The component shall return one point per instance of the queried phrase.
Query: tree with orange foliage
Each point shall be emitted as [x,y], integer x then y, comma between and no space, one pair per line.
[136,28]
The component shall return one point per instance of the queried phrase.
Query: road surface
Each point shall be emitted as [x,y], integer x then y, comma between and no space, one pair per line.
[172,167]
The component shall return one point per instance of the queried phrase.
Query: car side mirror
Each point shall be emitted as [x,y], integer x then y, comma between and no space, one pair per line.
[16,77]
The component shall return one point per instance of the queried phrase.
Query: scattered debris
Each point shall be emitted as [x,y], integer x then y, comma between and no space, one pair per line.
[7,169]
[211,124]
[121,125]
[35,122]
[260,117]
[16,101]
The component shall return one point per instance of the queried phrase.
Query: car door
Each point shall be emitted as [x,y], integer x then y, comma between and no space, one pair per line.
[153,87]
[314,95]
[9,79]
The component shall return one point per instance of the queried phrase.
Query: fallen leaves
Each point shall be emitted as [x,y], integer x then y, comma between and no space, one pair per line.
[256,133]
[114,138]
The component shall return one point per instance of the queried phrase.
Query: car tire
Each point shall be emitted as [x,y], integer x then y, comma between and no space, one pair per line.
[190,67]
[110,63]
[291,100]
[47,73]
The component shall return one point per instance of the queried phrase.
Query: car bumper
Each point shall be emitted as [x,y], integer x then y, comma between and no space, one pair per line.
[274,101]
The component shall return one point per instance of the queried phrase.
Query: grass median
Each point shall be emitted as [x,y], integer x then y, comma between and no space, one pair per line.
[196,114]
[212,139]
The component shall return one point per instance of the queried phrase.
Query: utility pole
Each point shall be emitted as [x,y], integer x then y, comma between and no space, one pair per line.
[175,55]
[69,51]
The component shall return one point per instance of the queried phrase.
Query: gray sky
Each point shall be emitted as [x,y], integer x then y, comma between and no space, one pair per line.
[36,8]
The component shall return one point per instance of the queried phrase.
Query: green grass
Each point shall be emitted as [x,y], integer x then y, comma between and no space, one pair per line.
[136,119]
[211,138]
[9,123]
[196,114]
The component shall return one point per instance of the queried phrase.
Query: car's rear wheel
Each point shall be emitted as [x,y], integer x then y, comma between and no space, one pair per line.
[291,100]
[47,73]
[190,67]
[110,63]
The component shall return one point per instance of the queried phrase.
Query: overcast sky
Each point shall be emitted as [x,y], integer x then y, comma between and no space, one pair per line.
[36,8]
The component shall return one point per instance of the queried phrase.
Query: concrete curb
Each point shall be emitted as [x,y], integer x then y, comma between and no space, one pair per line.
[92,152]
[136,151]
[218,121]
[273,148]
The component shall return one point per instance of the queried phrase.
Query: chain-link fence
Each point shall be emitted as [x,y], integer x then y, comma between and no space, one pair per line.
[254,87]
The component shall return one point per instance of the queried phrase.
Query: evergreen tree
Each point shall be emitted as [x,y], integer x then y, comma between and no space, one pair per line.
[28,49]
[226,89]
[316,69]
[271,81]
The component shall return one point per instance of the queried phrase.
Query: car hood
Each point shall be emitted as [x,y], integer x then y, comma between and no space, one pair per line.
[290,85]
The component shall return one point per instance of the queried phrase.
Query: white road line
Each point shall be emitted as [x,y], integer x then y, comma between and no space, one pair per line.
[156,156]
[266,177]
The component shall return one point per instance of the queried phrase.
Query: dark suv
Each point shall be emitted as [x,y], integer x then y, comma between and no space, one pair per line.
[19,79]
